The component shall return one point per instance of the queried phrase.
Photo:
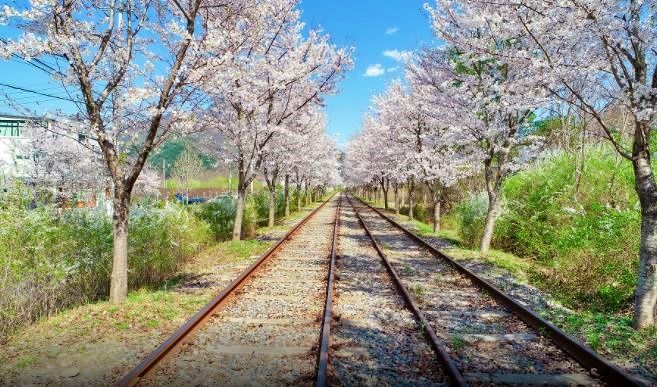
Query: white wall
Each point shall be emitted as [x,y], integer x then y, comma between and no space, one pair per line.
[15,155]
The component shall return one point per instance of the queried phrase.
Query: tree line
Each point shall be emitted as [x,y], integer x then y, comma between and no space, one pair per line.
[472,104]
[244,76]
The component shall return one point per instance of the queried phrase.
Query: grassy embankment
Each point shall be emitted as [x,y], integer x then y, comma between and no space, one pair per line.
[119,335]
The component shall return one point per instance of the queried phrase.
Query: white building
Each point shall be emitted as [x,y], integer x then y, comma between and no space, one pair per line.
[15,145]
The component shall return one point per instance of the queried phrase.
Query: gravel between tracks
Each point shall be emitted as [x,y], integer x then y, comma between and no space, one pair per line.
[375,339]
[470,322]
[268,332]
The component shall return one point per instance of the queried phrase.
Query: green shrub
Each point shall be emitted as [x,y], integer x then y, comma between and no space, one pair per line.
[584,236]
[587,233]
[219,214]
[471,214]
[161,240]
[420,212]
[53,261]
[250,218]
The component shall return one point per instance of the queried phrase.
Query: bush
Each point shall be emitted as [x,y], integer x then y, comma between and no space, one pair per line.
[587,234]
[161,240]
[471,215]
[420,212]
[219,214]
[51,261]
[260,201]
[585,237]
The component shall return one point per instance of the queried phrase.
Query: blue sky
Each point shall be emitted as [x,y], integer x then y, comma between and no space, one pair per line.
[380,30]
[372,27]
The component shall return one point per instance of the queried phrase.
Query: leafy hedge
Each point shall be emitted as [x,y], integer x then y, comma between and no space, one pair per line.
[585,237]
[52,261]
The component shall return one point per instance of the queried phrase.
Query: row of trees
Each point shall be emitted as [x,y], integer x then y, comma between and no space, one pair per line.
[470,105]
[244,73]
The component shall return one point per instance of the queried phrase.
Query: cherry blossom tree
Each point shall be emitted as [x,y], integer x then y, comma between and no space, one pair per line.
[275,73]
[491,108]
[129,64]
[286,151]
[593,55]
[403,139]
[64,163]
[315,167]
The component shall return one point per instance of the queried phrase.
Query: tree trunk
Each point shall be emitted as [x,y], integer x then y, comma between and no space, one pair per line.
[299,192]
[396,192]
[411,188]
[239,213]
[305,195]
[645,297]
[491,217]
[436,216]
[287,195]
[385,195]
[272,206]
[119,280]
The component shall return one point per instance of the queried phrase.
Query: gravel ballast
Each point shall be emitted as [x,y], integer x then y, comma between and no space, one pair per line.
[375,339]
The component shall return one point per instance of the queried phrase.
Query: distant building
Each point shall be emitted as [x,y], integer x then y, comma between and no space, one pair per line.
[15,145]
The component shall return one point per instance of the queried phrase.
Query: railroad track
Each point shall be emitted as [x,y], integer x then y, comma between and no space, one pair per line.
[488,337]
[377,339]
[274,324]
[267,327]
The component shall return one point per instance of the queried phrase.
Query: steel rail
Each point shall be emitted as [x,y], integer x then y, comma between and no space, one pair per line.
[204,314]
[322,358]
[580,352]
[438,346]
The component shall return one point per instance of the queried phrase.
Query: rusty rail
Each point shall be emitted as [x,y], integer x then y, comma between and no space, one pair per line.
[322,358]
[450,368]
[202,316]
[580,352]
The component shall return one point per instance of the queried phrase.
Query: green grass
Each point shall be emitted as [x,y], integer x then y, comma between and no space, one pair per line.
[25,361]
[422,228]
[610,334]
[419,290]
[245,249]
[457,342]
[521,268]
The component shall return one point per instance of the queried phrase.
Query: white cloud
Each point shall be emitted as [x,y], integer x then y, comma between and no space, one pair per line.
[391,69]
[391,30]
[374,70]
[399,56]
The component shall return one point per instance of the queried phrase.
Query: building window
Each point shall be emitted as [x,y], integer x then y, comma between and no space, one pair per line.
[10,128]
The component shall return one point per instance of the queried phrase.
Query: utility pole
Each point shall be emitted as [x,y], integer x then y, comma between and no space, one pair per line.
[230,176]
[164,174]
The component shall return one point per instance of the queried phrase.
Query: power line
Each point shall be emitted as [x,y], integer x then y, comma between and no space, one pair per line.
[35,87]
[34,101]
[38,63]
[23,96]
[39,93]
